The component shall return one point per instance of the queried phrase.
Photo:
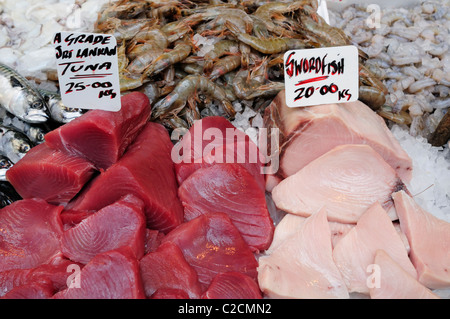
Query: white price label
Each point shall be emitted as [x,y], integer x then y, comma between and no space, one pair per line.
[88,70]
[321,76]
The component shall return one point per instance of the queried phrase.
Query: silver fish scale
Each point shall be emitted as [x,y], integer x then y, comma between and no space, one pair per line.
[13,145]
[18,97]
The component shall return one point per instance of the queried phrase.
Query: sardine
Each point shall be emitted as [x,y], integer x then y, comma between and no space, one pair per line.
[13,144]
[18,97]
[33,132]
[5,165]
[58,111]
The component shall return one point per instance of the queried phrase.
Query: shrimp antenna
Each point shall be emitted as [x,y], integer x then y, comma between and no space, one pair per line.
[423,190]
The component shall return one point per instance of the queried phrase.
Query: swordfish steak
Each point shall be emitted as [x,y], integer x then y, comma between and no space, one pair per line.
[230,189]
[429,240]
[302,266]
[50,174]
[347,180]
[395,282]
[30,234]
[146,171]
[102,136]
[356,251]
[309,132]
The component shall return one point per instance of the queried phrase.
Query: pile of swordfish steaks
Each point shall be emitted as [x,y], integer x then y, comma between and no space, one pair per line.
[113,208]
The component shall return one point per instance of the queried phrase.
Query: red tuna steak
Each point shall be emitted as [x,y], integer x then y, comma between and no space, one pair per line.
[231,189]
[30,291]
[395,282]
[356,251]
[53,274]
[30,234]
[215,140]
[146,171]
[232,285]
[309,132]
[166,268]
[110,275]
[347,180]
[211,244]
[50,174]
[102,136]
[114,226]
[302,266]
[429,240]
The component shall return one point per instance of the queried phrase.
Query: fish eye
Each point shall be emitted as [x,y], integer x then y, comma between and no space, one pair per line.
[25,148]
[40,137]
[37,105]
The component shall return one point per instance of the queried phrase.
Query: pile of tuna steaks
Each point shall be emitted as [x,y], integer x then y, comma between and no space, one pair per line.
[106,213]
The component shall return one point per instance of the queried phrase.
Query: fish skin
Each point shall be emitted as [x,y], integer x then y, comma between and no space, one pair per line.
[18,97]
[13,144]
[395,282]
[33,132]
[58,111]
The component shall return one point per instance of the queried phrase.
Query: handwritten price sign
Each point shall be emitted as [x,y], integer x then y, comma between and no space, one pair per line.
[321,76]
[88,70]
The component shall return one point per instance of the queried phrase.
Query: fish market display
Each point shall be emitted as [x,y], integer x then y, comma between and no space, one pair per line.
[121,224]
[167,198]
[356,251]
[21,221]
[166,268]
[146,171]
[101,136]
[397,283]
[110,275]
[347,180]
[428,237]
[408,50]
[50,174]
[291,267]
[307,133]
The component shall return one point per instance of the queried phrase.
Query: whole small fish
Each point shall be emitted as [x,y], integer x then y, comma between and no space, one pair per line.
[18,97]
[13,144]
[58,111]
[5,165]
[33,132]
